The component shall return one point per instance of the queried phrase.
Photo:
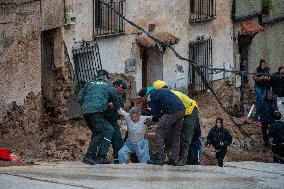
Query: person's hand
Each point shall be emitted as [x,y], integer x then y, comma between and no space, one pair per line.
[208,145]
[110,105]
[120,111]
[221,143]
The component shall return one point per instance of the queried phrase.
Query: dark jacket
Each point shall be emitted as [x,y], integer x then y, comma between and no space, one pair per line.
[217,135]
[276,131]
[111,112]
[277,84]
[262,72]
[267,111]
[163,101]
[96,95]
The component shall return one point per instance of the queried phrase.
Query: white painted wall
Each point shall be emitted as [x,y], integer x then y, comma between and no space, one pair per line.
[168,16]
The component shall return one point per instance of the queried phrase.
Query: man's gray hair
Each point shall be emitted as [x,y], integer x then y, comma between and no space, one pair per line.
[135,110]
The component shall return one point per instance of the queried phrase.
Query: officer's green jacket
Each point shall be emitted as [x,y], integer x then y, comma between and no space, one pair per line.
[96,95]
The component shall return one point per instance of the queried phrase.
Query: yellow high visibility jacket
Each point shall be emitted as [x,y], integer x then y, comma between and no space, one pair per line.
[188,103]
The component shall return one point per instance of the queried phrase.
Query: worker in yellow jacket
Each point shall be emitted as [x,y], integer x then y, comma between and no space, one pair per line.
[191,128]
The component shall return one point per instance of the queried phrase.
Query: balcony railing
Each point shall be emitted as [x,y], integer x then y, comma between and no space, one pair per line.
[201,10]
[107,21]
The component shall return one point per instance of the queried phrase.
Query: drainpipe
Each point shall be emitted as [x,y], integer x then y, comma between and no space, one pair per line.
[234,10]
[64,4]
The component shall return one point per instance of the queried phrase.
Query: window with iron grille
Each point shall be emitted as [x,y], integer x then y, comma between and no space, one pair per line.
[200,51]
[201,10]
[107,22]
[87,62]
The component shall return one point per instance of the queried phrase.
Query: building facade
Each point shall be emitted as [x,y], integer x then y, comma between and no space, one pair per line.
[46,43]
[258,31]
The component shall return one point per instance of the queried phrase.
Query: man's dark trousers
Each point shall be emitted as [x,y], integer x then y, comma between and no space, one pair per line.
[220,155]
[190,124]
[95,123]
[174,122]
[116,141]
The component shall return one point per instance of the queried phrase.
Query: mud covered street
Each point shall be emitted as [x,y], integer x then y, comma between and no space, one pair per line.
[242,175]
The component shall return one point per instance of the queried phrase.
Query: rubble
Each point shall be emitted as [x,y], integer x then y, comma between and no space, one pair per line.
[22,131]
[243,148]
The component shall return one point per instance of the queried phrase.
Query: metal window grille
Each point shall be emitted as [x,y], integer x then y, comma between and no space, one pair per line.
[106,20]
[202,10]
[87,62]
[200,51]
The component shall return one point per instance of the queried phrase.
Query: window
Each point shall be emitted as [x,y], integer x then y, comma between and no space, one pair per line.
[87,62]
[200,51]
[106,20]
[202,10]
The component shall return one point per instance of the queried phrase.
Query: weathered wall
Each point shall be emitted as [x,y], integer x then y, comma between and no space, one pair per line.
[173,18]
[221,32]
[277,10]
[20,52]
[269,45]
[245,8]
[83,28]
[52,13]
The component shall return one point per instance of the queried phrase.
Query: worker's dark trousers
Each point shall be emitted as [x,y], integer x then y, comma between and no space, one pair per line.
[95,122]
[174,123]
[265,137]
[192,158]
[278,153]
[220,155]
[189,125]
[107,137]
[116,141]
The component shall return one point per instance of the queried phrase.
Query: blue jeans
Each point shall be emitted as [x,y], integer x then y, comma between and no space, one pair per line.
[141,150]
[261,93]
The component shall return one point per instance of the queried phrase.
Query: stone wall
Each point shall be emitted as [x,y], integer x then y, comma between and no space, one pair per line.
[20,52]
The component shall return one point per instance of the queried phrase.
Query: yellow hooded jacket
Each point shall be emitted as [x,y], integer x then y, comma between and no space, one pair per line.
[188,103]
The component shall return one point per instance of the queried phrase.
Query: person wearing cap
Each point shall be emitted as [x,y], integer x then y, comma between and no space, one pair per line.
[94,99]
[166,108]
[112,116]
[276,132]
[191,131]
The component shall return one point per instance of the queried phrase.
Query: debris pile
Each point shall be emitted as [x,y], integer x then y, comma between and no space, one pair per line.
[33,140]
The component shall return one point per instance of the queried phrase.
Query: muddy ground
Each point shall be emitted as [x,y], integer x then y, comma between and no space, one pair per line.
[35,141]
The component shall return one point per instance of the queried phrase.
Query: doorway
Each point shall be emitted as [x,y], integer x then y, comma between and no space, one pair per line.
[152,65]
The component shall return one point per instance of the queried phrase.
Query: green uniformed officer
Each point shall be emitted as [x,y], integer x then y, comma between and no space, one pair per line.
[112,116]
[94,99]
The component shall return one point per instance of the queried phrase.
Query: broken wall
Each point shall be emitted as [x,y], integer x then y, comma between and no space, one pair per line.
[52,14]
[20,51]
[31,35]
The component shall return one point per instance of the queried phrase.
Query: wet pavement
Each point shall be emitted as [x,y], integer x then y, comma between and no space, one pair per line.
[63,175]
